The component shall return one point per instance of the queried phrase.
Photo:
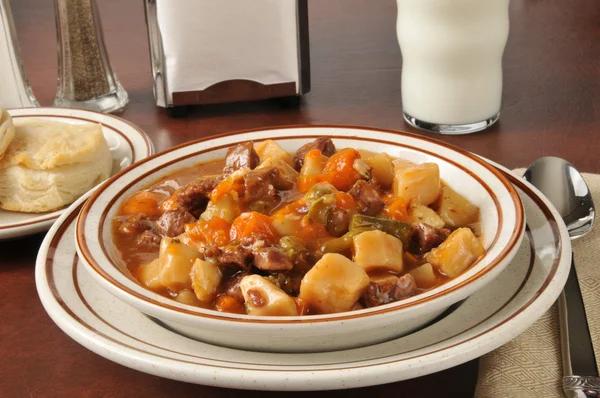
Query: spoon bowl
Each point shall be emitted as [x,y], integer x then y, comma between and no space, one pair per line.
[565,187]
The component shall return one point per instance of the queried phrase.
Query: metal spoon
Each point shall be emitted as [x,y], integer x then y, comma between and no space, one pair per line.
[565,187]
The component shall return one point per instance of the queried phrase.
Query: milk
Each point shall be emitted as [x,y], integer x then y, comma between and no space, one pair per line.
[15,91]
[452,59]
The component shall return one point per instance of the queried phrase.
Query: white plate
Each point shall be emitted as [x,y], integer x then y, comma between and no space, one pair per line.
[127,142]
[483,322]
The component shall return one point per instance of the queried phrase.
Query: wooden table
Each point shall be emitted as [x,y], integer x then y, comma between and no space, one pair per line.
[551,106]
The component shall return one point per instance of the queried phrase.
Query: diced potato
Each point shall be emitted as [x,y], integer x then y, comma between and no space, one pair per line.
[176,261]
[425,215]
[227,207]
[382,168]
[334,284]
[417,184]
[288,175]
[424,276]
[149,275]
[206,278]
[402,164]
[382,278]
[269,149]
[375,250]
[314,162]
[286,224]
[455,209]
[188,297]
[456,253]
[263,298]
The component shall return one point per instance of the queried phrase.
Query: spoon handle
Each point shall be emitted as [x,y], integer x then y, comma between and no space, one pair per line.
[579,363]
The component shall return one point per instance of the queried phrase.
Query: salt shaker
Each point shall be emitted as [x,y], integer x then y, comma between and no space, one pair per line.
[85,76]
[452,62]
[15,91]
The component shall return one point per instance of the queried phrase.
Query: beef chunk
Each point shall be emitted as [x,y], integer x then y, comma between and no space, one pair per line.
[424,237]
[148,239]
[239,156]
[389,290]
[271,259]
[367,198]
[172,223]
[232,288]
[379,293]
[136,224]
[324,144]
[260,184]
[193,197]
[405,287]
[235,255]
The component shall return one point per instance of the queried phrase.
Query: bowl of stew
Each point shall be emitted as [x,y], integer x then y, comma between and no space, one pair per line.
[301,239]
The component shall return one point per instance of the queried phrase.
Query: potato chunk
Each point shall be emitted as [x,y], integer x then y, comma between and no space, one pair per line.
[333,285]
[456,253]
[425,215]
[188,297]
[314,162]
[176,261]
[424,276]
[227,207]
[206,278]
[419,183]
[375,250]
[455,209]
[269,149]
[382,168]
[149,275]
[263,298]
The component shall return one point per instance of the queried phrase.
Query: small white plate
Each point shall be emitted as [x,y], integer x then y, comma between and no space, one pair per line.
[509,304]
[127,142]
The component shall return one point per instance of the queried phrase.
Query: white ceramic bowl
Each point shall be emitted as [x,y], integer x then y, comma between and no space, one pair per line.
[502,219]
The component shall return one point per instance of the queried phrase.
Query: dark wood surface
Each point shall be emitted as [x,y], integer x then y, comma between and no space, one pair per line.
[551,106]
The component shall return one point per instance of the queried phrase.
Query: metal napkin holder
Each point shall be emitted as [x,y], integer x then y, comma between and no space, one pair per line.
[228,90]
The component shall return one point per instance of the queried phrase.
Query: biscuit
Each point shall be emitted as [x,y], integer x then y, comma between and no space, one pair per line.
[50,164]
[7,131]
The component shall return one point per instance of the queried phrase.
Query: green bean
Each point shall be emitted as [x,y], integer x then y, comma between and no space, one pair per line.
[395,228]
[342,243]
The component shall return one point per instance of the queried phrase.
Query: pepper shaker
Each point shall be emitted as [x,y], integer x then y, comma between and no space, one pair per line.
[85,77]
[15,91]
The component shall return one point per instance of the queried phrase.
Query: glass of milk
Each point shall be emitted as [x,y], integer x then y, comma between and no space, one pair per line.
[452,62]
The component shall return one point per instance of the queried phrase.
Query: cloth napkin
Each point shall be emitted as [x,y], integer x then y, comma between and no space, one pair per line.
[530,365]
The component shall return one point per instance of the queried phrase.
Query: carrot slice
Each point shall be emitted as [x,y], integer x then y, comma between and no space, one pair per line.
[340,171]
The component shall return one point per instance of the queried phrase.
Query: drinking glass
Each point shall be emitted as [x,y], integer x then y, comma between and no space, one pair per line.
[452,62]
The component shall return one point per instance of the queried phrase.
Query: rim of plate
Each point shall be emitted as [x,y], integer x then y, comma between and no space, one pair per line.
[454,353]
[158,303]
[79,114]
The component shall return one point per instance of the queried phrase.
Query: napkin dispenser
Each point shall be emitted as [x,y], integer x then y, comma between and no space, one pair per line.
[217,51]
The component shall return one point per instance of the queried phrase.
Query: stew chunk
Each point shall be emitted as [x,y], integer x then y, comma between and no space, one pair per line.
[334,284]
[241,156]
[456,253]
[323,144]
